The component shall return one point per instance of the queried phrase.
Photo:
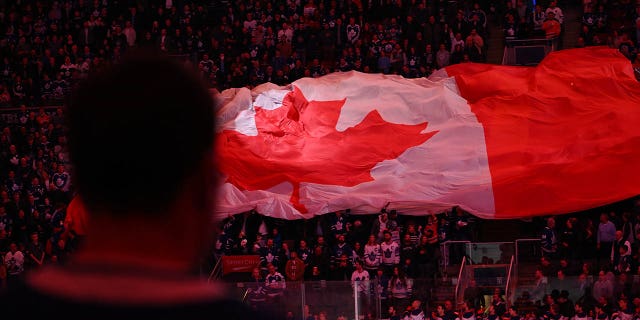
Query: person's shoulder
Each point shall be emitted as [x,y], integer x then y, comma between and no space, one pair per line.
[35,304]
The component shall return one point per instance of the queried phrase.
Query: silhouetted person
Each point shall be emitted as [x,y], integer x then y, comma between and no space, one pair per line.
[141,142]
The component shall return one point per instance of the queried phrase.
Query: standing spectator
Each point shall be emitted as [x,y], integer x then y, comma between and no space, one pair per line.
[60,252]
[551,26]
[557,12]
[130,34]
[20,226]
[538,18]
[372,254]
[603,287]
[588,238]
[338,225]
[275,283]
[568,240]
[75,223]
[269,255]
[294,269]
[549,240]
[380,225]
[6,222]
[14,261]
[619,243]
[341,259]
[400,288]
[390,252]
[304,252]
[60,183]
[319,266]
[360,276]
[475,46]
[443,57]
[5,96]
[35,252]
[627,227]
[541,286]
[68,68]
[353,31]
[606,235]
[407,249]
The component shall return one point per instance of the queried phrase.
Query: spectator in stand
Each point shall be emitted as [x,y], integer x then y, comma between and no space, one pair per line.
[557,11]
[304,252]
[606,235]
[14,261]
[319,266]
[475,46]
[269,255]
[35,252]
[541,287]
[339,225]
[400,289]
[295,268]
[341,254]
[380,225]
[360,279]
[551,26]
[616,256]
[473,295]
[372,254]
[275,284]
[443,57]
[390,251]
[603,287]
[568,240]
[498,303]
[549,240]
[5,97]
[75,223]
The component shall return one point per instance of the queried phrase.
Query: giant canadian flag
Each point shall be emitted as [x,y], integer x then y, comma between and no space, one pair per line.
[500,142]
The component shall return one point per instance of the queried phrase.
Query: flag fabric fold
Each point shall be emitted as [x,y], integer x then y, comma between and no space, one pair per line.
[497,141]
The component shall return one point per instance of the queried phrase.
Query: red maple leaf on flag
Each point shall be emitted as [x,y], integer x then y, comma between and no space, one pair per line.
[298,142]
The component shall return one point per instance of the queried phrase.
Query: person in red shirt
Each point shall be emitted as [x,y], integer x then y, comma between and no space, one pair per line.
[551,26]
[75,223]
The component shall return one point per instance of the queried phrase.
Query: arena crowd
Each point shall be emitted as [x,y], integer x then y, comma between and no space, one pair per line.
[47,46]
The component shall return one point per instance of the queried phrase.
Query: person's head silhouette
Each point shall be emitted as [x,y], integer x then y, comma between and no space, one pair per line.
[141,144]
